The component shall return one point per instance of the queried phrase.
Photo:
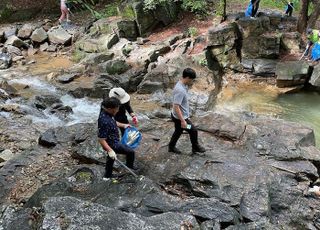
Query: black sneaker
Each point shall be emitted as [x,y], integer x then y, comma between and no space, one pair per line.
[174,150]
[198,149]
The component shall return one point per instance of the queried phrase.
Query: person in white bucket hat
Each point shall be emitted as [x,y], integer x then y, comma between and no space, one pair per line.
[124,98]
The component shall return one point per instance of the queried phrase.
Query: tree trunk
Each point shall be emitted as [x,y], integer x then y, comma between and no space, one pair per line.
[303,16]
[224,10]
[315,15]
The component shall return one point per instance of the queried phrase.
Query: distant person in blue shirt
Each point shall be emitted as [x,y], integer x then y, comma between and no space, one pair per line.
[181,113]
[108,135]
[253,8]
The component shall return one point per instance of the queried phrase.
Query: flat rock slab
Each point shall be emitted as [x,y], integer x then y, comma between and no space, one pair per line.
[292,73]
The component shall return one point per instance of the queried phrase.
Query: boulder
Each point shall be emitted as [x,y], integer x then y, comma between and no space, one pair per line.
[48,138]
[45,101]
[90,46]
[59,36]
[5,60]
[223,35]
[44,46]
[60,110]
[253,27]
[13,51]
[109,40]
[5,155]
[66,78]
[15,41]
[292,73]
[315,77]
[291,42]
[8,88]
[260,67]
[9,31]
[127,29]
[148,87]
[26,31]
[4,95]
[96,59]
[164,14]
[116,66]
[39,35]
[263,46]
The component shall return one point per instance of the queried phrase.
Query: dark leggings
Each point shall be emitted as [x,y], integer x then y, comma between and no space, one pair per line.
[193,133]
[120,149]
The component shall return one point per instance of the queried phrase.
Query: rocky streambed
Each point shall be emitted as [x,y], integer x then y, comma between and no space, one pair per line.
[256,173]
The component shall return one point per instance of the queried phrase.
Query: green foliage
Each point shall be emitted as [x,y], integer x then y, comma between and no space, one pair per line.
[77,55]
[203,62]
[195,6]
[5,12]
[110,10]
[192,32]
[152,4]
[128,12]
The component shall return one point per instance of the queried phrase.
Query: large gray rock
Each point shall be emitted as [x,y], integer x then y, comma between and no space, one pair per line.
[59,36]
[94,216]
[260,67]
[315,77]
[292,73]
[94,59]
[15,41]
[291,42]
[13,51]
[5,60]
[262,46]
[116,66]
[147,21]
[253,27]
[39,35]
[67,78]
[48,138]
[26,31]
[44,101]
[90,46]
[223,35]
[127,29]
[9,31]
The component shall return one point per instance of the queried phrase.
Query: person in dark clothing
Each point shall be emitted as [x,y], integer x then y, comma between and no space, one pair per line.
[108,135]
[255,7]
[180,113]
[289,9]
[125,106]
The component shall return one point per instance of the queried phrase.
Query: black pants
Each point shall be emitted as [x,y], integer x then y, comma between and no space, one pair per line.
[289,10]
[120,149]
[193,133]
[255,8]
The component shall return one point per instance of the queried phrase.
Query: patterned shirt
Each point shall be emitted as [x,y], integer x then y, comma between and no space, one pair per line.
[107,129]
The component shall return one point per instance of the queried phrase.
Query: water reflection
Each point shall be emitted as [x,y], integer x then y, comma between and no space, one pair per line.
[303,107]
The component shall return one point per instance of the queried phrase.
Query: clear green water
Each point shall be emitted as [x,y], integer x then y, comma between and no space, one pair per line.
[303,107]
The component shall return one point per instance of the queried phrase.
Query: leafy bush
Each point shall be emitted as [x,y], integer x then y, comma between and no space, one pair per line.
[111,10]
[192,32]
[195,6]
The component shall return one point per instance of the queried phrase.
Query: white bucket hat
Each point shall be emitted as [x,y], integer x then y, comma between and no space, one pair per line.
[120,94]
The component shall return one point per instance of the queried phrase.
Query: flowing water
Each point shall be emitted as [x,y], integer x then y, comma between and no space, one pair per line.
[303,107]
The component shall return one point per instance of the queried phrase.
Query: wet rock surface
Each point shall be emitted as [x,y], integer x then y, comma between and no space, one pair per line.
[255,173]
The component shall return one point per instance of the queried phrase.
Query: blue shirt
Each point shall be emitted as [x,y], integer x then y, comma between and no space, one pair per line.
[107,129]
